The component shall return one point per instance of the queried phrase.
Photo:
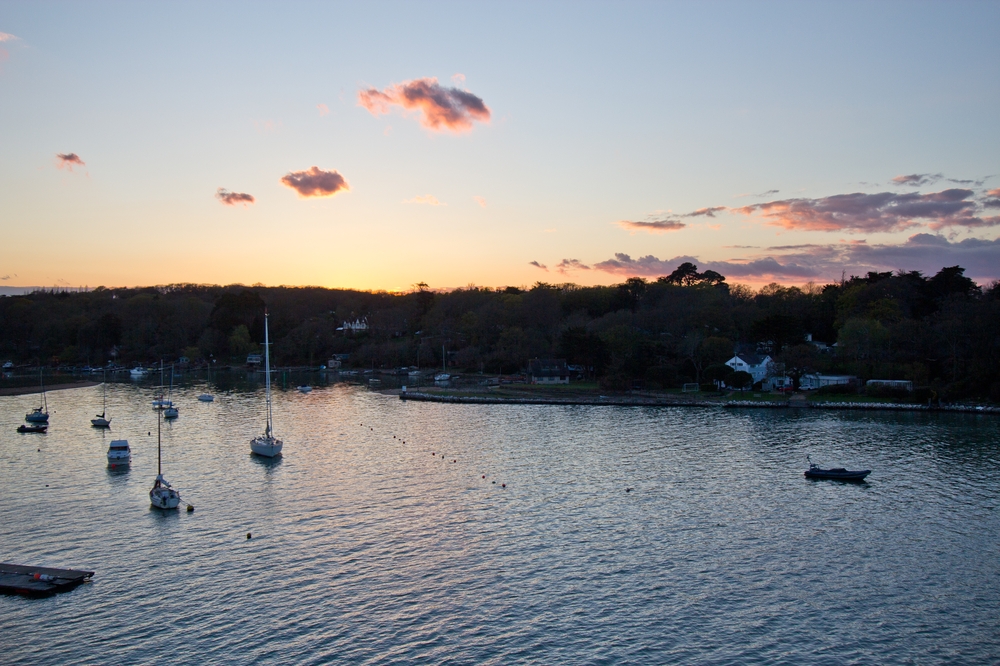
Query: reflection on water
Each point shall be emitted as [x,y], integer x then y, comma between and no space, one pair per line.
[368,548]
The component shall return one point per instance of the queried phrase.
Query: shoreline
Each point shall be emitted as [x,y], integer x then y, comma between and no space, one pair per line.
[28,390]
[644,401]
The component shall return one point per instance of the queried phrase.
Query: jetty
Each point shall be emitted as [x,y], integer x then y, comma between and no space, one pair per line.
[39,581]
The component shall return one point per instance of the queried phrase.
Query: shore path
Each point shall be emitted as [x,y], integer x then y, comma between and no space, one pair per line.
[25,390]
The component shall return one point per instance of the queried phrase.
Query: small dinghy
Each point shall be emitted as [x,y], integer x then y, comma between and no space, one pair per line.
[836,473]
[32,428]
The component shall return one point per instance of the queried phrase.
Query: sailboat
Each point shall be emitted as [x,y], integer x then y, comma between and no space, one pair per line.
[161,495]
[41,413]
[266,445]
[171,411]
[161,403]
[101,421]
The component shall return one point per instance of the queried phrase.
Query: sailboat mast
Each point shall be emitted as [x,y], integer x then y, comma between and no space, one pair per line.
[267,374]
[41,383]
[159,470]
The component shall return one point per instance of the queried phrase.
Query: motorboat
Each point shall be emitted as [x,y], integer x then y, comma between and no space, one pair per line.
[137,371]
[266,445]
[32,428]
[304,388]
[205,397]
[836,473]
[442,377]
[119,453]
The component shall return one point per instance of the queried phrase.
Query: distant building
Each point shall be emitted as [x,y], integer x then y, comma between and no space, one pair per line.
[253,360]
[355,326]
[333,363]
[755,364]
[548,371]
[903,384]
[817,381]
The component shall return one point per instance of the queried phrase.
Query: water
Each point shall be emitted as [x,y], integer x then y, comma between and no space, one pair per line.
[367,549]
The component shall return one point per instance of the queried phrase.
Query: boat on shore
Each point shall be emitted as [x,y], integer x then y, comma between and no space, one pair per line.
[836,473]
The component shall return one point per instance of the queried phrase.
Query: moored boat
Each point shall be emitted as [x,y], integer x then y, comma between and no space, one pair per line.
[32,428]
[836,473]
[267,445]
[119,453]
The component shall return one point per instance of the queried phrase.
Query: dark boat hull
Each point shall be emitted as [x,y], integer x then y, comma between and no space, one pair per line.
[32,428]
[837,474]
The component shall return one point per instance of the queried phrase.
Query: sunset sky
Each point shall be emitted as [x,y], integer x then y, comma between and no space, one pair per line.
[377,145]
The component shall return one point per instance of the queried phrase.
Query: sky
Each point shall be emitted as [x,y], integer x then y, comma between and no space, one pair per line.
[383,144]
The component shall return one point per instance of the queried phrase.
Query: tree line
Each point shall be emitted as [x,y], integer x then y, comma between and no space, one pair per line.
[941,331]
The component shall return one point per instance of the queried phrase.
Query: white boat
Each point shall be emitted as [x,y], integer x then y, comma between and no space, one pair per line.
[162,495]
[39,414]
[204,397]
[101,421]
[170,410]
[137,371]
[266,445]
[304,388]
[442,377]
[119,453]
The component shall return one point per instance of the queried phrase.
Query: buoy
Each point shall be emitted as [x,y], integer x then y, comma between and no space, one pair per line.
[628,490]
[494,483]
[503,485]
[454,461]
[149,433]
[484,476]
[432,453]
[248,535]
[190,508]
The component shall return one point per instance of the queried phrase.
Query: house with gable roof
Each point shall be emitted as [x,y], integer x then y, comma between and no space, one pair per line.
[755,364]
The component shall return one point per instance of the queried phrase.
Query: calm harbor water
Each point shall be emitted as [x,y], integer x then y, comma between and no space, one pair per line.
[367,548]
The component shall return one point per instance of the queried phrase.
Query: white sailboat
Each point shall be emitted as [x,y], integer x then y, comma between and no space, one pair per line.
[171,409]
[161,495]
[39,414]
[266,445]
[161,402]
[101,421]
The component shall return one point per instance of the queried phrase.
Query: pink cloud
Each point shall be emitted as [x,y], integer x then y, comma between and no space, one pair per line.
[826,262]
[323,109]
[442,109]
[917,179]
[232,198]
[651,226]
[571,265]
[315,182]
[68,161]
[479,200]
[538,265]
[881,212]
[428,199]
[707,212]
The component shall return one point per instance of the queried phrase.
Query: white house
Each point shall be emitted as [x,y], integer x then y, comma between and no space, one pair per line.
[752,363]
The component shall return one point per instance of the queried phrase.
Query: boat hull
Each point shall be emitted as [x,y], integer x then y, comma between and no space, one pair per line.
[100,423]
[37,417]
[838,474]
[266,446]
[164,498]
[25,428]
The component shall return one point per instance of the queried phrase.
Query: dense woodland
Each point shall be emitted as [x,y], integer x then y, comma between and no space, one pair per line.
[941,332]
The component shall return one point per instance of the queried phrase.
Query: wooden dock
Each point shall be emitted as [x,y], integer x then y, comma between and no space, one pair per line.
[39,581]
